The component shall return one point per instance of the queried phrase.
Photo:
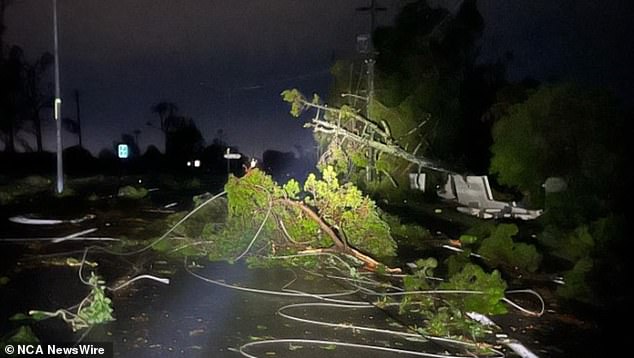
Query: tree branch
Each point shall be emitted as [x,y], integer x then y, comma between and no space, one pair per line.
[386,144]
[340,246]
[356,116]
[392,149]
[313,216]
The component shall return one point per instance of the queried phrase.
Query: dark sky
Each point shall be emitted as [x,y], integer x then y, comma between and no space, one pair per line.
[588,41]
[225,62]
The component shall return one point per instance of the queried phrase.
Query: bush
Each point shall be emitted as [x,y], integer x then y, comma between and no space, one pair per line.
[131,192]
[500,249]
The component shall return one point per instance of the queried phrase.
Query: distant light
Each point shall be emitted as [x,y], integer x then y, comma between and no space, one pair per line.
[123,151]
[196,163]
[189,163]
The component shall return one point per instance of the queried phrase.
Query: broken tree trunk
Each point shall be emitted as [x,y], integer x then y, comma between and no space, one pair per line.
[339,245]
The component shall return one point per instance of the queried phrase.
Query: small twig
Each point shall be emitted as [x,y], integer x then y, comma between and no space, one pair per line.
[266,217]
[140,277]
[71,236]
[81,268]
[287,235]
[75,238]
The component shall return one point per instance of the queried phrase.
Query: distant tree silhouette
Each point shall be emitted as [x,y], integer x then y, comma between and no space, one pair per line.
[220,138]
[152,158]
[21,97]
[165,110]
[70,125]
[3,6]
[107,160]
[183,138]
[152,151]
[480,86]
[279,164]
[10,95]
[78,118]
[213,155]
[35,98]
[106,154]
[78,161]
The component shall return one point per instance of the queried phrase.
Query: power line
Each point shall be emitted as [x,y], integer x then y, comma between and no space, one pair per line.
[268,83]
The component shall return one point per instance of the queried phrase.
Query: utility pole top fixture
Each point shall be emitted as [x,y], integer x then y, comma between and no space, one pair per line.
[373,8]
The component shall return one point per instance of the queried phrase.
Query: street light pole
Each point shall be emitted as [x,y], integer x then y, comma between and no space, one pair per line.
[57,104]
[230,156]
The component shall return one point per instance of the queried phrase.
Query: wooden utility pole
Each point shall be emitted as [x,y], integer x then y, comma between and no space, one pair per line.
[78,118]
[370,61]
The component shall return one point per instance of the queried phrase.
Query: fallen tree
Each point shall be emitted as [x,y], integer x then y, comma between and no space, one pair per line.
[334,231]
[265,220]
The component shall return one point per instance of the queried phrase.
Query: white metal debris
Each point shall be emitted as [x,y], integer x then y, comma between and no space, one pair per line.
[31,220]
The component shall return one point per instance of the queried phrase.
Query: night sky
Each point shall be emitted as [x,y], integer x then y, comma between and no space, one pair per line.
[225,62]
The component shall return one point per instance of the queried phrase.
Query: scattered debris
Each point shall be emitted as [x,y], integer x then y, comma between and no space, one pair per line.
[196,332]
[31,219]
[519,348]
[475,197]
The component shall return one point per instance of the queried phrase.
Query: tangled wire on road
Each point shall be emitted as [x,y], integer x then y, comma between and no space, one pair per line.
[359,286]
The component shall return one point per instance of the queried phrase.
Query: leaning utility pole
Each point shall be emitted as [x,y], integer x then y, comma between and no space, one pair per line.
[57,104]
[370,61]
[79,118]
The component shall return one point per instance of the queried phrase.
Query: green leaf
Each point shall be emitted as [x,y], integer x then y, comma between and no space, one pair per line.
[500,249]
[291,188]
[468,239]
[330,347]
[576,286]
[131,192]
[295,98]
[23,335]
[38,315]
[491,286]
[19,317]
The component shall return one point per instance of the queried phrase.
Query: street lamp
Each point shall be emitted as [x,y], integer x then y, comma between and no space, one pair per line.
[231,156]
[57,105]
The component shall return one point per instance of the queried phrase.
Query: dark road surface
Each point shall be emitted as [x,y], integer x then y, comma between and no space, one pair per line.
[193,318]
